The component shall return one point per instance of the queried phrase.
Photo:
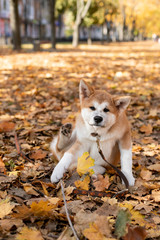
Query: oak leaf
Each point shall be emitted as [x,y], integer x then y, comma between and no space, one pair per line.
[123,218]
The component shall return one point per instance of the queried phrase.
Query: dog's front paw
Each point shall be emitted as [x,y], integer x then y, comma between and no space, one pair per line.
[66,130]
[57,174]
[130,178]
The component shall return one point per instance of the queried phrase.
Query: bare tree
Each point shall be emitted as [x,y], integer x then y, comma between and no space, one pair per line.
[51,5]
[15,24]
[82,10]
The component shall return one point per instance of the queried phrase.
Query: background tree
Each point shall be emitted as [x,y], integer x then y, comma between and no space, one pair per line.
[15,24]
[51,6]
[81,12]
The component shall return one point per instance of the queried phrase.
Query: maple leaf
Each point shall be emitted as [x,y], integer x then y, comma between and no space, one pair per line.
[5,207]
[101,183]
[83,184]
[93,233]
[42,208]
[29,234]
[85,162]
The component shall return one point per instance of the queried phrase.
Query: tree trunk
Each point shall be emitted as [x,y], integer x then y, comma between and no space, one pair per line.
[89,40]
[15,24]
[51,5]
[81,13]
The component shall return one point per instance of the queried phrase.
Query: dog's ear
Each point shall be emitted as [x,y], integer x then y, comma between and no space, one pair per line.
[85,90]
[122,102]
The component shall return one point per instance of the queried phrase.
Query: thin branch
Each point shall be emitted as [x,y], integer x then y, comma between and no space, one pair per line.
[20,153]
[67,213]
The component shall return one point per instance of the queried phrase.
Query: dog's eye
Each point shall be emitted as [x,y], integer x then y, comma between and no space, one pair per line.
[105,110]
[92,108]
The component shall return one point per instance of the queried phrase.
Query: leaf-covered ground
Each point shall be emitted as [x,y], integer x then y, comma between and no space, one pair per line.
[38,91]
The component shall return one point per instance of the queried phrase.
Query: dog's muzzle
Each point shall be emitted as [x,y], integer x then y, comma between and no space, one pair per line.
[98,120]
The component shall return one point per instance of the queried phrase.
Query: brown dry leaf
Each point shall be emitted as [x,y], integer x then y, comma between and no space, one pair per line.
[146,129]
[29,234]
[146,174]
[155,167]
[5,207]
[22,212]
[30,189]
[156,195]
[7,224]
[6,126]
[2,166]
[101,183]
[136,233]
[38,154]
[84,184]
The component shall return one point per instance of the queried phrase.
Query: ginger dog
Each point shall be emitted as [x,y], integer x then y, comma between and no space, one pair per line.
[103,114]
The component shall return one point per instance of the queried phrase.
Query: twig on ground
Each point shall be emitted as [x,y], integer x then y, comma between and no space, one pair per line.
[67,213]
[20,153]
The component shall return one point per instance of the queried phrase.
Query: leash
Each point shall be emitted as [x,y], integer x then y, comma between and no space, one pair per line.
[119,172]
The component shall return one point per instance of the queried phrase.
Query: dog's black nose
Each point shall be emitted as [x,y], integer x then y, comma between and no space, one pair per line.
[98,119]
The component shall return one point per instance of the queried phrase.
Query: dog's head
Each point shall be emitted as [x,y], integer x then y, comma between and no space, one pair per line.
[100,109]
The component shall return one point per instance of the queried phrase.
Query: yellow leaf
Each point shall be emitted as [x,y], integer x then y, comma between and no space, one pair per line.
[29,234]
[42,208]
[5,207]
[83,184]
[85,162]
[93,233]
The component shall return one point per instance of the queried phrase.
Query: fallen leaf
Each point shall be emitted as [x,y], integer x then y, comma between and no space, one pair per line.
[146,174]
[42,208]
[29,234]
[85,162]
[93,232]
[101,183]
[146,129]
[38,154]
[83,184]
[156,195]
[7,224]
[2,166]
[6,126]
[123,218]
[5,207]
[30,189]
[155,167]
[136,233]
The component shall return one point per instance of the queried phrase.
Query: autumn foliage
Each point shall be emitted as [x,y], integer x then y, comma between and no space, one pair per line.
[38,92]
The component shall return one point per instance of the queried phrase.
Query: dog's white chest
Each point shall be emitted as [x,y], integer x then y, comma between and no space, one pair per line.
[106,147]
